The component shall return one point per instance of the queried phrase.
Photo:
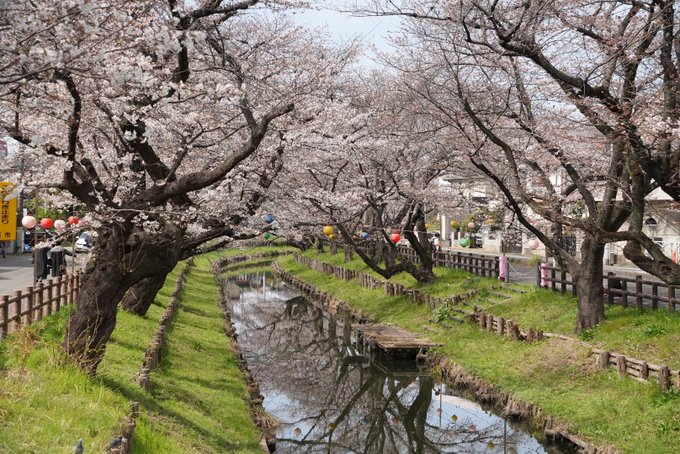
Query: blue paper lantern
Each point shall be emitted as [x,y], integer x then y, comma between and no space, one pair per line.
[364,235]
[268,218]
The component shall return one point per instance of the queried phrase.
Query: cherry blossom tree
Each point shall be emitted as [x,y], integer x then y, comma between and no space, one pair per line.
[553,102]
[371,166]
[141,111]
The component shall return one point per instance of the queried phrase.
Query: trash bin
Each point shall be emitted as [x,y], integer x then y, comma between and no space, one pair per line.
[41,263]
[58,260]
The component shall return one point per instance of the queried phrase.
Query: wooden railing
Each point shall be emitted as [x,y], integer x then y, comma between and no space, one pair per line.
[24,307]
[482,265]
[625,291]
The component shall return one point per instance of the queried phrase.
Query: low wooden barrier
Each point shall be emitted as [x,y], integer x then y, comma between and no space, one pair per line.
[624,291]
[223,262]
[370,282]
[32,304]
[638,369]
[631,367]
[481,265]
[153,352]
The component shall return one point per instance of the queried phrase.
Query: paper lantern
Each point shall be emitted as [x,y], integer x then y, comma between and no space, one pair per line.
[46,223]
[60,224]
[297,431]
[267,236]
[427,226]
[455,224]
[533,244]
[28,222]
[395,237]
[268,218]
[471,225]
[73,220]
[364,235]
[328,230]
[465,242]
[331,237]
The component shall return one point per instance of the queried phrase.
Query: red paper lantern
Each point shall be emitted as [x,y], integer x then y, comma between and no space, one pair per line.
[73,220]
[395,237]
[46,223]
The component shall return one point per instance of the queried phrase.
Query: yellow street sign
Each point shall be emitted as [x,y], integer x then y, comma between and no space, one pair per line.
[8,213]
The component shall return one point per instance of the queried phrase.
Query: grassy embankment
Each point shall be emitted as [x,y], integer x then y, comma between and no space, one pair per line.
[558,376]
[197,401]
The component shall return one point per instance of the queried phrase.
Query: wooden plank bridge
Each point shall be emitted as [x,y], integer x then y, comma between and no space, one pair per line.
[392,340]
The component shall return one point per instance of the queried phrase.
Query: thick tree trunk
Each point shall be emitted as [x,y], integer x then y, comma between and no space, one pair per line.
[91,324]
[120,260]
[349,254]
[589,288]
[141,296]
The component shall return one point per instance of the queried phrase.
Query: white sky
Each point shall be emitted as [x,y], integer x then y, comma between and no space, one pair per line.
[373,31]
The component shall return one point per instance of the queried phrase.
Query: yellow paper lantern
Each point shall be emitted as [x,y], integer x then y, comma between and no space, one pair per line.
[427,226]
[328,230]
[331,237]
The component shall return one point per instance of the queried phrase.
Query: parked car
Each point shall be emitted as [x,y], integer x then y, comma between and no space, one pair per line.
[85,242]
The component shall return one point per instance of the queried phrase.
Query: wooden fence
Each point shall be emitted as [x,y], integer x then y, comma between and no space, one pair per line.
[24,307]
[632,367]
[625,291]
[482,265]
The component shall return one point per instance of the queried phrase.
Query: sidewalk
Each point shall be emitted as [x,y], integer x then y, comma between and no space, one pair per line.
[518,261]
[16,271]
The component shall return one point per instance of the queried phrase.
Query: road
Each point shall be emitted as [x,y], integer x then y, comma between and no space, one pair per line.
[16,271]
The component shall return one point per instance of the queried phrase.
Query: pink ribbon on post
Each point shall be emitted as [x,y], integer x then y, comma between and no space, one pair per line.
[502,268]
[544,274]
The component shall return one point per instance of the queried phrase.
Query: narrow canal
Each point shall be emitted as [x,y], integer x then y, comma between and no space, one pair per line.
[328,397]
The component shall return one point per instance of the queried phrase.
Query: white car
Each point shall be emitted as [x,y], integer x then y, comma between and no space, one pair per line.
[84,243]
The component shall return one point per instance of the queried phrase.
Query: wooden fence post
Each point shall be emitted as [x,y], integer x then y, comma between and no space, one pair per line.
[50,296]
[39,301]
[17,310]
[624,296]
[29,303]
[603,360]
[644,370]
[58,295]
[671,298]
[638,292]
[4,314]
[610,295]
[621,365]
[664,378]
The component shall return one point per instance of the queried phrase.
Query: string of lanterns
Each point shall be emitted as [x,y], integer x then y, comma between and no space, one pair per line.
[29,222]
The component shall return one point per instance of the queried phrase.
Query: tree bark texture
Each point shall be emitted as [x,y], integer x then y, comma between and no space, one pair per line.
[589,288]
[141,296]
[120,260]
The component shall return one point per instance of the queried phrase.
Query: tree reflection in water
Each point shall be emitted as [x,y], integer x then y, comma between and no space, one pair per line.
[328,397]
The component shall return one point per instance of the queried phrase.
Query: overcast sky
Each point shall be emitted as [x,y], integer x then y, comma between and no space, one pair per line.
[344,27]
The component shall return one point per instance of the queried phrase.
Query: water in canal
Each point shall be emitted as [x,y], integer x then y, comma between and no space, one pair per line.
[328,397]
